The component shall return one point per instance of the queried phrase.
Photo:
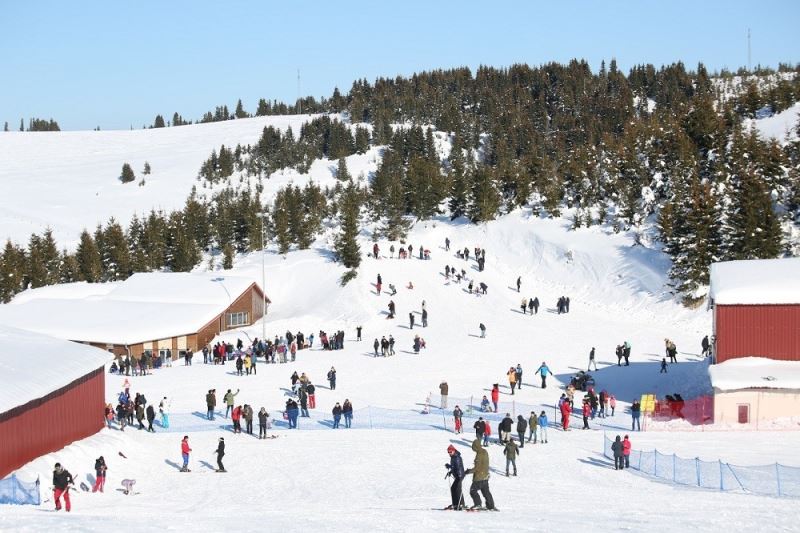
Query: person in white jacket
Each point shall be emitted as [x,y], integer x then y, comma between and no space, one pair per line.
[163,410]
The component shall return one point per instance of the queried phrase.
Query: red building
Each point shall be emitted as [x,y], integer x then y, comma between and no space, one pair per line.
[756,309]
[53,394]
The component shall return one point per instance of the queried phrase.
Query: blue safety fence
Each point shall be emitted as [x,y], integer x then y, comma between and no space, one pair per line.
[17,492]
[767,480]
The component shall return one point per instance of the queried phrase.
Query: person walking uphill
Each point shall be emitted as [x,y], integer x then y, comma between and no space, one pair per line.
[62,480]
[480,477]
[220,454]
[543,371]
[511,451]
[455,468]
[185,450]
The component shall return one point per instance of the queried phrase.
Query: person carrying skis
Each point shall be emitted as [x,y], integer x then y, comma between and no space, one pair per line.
[455,468]
[480,477]
[100,469]
[185,450]
[543,371]
[62,480]
[220,454]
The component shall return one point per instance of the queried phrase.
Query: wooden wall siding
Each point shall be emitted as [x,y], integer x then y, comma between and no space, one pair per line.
[771,331]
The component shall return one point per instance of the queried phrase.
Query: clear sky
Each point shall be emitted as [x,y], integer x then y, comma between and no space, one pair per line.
[115,64]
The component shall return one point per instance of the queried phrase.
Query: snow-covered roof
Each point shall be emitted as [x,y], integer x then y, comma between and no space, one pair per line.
[144,307]
[758,281]
[755,373]
[33,365]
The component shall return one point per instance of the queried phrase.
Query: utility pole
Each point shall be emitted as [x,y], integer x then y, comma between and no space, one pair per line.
[299,100]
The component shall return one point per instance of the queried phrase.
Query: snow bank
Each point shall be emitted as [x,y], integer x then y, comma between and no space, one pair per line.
[755,372]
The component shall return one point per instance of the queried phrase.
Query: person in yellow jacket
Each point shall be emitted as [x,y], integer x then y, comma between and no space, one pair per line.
[512,378]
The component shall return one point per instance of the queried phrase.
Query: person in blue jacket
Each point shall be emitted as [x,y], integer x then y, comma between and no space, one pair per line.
[455,468]
[543,371]
[543,427]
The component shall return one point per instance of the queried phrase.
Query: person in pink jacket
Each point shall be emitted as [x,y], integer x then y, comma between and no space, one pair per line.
[626,451]
[565,412]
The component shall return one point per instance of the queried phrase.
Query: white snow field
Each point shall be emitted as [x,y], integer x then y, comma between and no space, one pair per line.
[383,479]
[381,475]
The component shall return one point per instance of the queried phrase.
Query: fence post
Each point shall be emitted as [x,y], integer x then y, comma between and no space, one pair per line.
[697,469]
[721,484]
[655,462]
[444,421]
[674,468]
[369,413]
[778,477]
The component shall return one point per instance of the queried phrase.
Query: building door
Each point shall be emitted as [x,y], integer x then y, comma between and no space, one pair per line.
[744,413]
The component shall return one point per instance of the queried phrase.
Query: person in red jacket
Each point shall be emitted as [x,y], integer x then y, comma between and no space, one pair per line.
[185,449]
[495,395]
[236,416]
[626,451]
[587,410]
[565,412]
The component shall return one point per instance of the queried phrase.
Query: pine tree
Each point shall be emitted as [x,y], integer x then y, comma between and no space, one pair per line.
[127,175]
[227,256]
[88,257]
[346,244]
[240,112]
[484,198]
[12,271]
[159,122]
[280,224]
[458,183]
[114,253]
[5,126]
[68,269]
[342,174]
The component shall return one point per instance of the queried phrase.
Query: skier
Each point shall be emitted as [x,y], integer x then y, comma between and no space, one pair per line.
[591,360]
[511,451]
[480,478]
[543,371]
[220,454]
[455,468]
[332,378]
[443,390]
[483,330]
[100,469]
[185,450]
[62,480]
[457,415]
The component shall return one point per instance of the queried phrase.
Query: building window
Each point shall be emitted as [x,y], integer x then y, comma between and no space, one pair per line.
[744,413]
[238,319]
[164,354]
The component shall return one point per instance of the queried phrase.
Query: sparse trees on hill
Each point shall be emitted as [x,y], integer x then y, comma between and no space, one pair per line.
[127,174]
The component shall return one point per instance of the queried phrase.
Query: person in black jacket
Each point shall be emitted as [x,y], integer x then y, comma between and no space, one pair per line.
[480,428]
[522,427]
[455,468]
[220,454]
[100,469]
[505,428]
[151,415]
[62,479]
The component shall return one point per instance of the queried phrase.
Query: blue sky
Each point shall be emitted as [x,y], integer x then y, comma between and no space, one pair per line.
[117,64]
